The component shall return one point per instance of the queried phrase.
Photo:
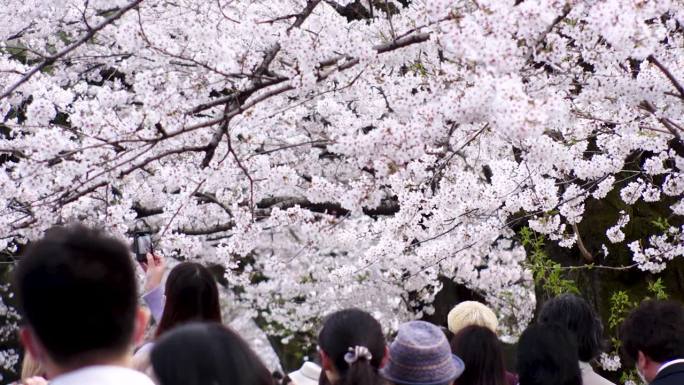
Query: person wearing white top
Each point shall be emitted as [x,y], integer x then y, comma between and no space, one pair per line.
[102,375]
[578,317]
[78,296]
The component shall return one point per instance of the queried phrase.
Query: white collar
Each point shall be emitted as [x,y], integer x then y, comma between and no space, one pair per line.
[669,363]
[102,375]
[585,366]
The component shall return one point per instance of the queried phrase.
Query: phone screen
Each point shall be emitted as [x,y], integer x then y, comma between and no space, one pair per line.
[142,244]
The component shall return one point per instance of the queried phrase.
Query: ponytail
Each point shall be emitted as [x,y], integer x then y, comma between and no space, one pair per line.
[361,373]
[354,342]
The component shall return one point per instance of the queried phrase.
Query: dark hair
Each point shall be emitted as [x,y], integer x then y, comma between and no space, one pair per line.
[481,352]
[656,328]
[77,291]
[547,355]
[206,353]
[191,295]
[347,329]
[576,315]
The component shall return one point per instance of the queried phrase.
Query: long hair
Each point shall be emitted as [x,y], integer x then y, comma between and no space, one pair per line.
[191,295]
[481,351]
[576,315]
[547,355]
[206,353]
[347,329]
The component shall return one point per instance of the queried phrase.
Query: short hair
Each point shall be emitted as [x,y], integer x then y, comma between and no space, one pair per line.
[482,354]
[547,355]
[656,328]
[471,313]
[191,295]
[206,353]
[576,315]
[77,290]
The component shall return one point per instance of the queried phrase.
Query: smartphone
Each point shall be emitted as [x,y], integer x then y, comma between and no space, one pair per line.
[142,244]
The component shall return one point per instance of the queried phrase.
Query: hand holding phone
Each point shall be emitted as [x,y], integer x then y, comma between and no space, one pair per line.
[142,245]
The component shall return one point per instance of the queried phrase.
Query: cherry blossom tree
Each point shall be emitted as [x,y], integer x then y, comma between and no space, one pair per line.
[346,153]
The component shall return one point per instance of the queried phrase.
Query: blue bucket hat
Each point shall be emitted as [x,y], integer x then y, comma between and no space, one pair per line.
[421,355]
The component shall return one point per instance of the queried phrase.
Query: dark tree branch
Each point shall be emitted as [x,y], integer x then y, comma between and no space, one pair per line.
[670,125]
[668,74]
[53,58]
[206,231]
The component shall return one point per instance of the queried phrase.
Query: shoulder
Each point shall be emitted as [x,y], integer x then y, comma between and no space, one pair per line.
[590,377]
[673,375]
[103,375]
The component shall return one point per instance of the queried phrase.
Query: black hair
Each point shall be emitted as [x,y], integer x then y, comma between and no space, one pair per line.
[77,290]
[191,295]
[576,315]
[347,329]
[547,355]
[482,354]
[656,328]
[206,353]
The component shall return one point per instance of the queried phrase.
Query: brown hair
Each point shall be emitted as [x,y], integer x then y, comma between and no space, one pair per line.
[191,295]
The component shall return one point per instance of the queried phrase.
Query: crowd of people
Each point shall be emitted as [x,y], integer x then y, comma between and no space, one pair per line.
[78,296]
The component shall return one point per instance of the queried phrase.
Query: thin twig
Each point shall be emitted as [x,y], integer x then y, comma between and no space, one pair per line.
[51,59]
[175,214]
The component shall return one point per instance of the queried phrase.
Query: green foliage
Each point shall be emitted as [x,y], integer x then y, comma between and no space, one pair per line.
[547,273]
[630,376]
[620,306]
[661,224]
[657,289]
[418,69]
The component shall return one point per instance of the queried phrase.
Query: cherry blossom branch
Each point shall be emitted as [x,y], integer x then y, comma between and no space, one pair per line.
[206,231]
[231,150]
[668,74]
[52,58]
[175,214]
[670,125]
[542,37]
[351,62]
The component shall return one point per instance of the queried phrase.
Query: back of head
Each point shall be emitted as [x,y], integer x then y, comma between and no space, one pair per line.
[547,355]
[576,315]
[191,295]
[77,292]
[342,333]
[206,353]
[481,352]
[656,328]
[471,313]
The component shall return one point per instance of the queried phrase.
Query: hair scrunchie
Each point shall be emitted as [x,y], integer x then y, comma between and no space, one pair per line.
[357,353]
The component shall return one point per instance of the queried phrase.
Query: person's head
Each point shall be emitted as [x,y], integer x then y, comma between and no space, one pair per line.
[471,313]
[653,334]
[191,295]
[420,355]
[481,352]
[547,355]
[77,295]
[352,348]
[576,315]
[206,353]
